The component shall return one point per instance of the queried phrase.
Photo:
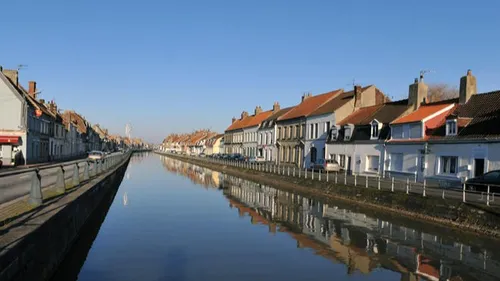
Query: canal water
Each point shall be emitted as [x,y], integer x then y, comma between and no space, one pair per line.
[171,220]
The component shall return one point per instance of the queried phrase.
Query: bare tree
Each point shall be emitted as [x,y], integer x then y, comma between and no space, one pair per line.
[439,92]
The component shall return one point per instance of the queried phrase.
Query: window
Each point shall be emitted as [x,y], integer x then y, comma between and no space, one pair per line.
[303,131]
[375,130]
[397,132]
[449,164]
[313,154]
[415,131]
[290,132]
[311,131]
[451,127]
[347,133]
[334,134]
[342,160]
[316,130]
[327,126]
[372,162]
[296,132]
[397,162]
[279,132]
[333,156]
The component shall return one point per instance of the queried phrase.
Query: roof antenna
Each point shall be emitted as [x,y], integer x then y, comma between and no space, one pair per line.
[423,72]
[21,66]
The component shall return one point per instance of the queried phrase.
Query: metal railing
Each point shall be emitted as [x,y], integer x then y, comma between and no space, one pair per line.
[487,194]
[57,178]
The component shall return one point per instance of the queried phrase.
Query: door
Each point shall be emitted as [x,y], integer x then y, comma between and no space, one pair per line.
[349,165]
[421,166]
[478,167]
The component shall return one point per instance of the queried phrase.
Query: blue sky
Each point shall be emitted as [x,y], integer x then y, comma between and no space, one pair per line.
[174,66]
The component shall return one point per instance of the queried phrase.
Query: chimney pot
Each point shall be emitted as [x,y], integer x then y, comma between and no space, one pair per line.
[276,107]
[42,101]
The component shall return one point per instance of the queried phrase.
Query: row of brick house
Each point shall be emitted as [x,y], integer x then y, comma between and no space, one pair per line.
[368,134]
[197,142]
[33,130]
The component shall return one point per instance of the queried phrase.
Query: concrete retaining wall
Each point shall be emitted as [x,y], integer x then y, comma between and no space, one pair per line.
[32,247]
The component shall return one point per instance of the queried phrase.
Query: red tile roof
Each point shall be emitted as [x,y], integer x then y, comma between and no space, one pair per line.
[421,113]
[309,105]
[250,121]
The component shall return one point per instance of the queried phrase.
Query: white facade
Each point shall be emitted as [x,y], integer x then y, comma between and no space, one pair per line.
[360,158]
[250,141]
[266,143]
[57,142]
[317,128]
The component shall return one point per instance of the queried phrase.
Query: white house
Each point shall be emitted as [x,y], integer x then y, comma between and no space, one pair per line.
[467,142]
[320,121]
[266,143]
[357,142]
[250,128]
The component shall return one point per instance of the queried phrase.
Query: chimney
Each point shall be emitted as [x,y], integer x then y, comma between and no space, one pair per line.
[276,107]
[417,93]
[468,87]
[32,89]
[233,120]
[258,109]
[53,107]
[357,96]
[244,114]
[13,76]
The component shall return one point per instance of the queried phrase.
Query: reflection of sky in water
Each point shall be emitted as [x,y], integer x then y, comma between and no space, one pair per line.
[177,230]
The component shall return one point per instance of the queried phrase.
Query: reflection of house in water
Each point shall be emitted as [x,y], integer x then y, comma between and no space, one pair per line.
[361,242]
[198,175]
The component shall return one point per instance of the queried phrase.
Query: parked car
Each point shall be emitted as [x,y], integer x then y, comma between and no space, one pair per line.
[251,159]
[1,163]
[481,183]
[202,154]
[96,155]
[329,165]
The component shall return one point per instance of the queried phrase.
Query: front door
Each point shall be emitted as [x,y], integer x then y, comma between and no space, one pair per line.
[349,165]
[478,167]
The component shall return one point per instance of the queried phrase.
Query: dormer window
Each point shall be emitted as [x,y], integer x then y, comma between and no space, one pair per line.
[451,127]
[334,133]
[347,133]
[375,130]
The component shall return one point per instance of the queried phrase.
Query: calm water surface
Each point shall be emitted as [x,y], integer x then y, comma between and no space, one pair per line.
[174,221]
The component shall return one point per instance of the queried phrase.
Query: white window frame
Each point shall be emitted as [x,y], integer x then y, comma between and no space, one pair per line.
[336,130]
[347,136]
[451,127]
[369,161]
[375,125]
[445,164]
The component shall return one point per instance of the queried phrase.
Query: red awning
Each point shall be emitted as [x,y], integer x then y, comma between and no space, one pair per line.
[9,140]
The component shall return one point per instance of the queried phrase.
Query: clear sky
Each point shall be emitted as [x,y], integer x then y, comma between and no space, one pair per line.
[174,66]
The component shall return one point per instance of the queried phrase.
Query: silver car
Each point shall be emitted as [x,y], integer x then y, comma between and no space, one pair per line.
[329,165]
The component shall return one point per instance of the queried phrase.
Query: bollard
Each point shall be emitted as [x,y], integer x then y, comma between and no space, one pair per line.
[36,198]
[443,194]
[463,192]
[283,170]
[345,178]
[378,184]
[366,181]
[488,196]
[288,171]
[407,185]
[312,174]
[300,170]
[319,176]
[94,168]
[76,175]
[274,168]
[336,177]
[305,173]
[86,175]
[392,184]
[326,175]
[355,180]
[294,171]
[60,180]
[425,181]
[98,167]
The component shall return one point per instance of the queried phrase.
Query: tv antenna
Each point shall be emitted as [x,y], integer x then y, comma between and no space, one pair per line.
[423,72]
[21,66]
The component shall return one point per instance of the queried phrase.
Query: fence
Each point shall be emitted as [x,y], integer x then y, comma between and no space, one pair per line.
[57,178]
[391,184]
